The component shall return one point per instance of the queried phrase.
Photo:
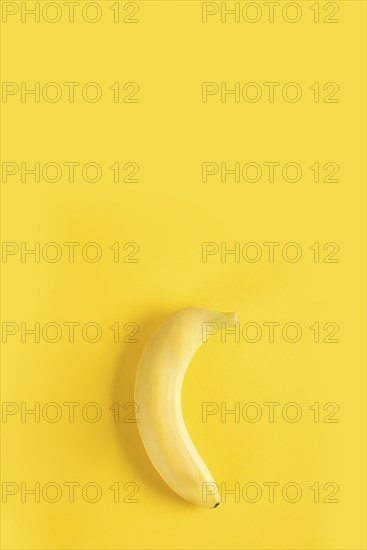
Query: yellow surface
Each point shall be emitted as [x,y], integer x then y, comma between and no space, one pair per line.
[169,213]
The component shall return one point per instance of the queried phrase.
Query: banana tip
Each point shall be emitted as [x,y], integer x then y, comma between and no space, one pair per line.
[215,505]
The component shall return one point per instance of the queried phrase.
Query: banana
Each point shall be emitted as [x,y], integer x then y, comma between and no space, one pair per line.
[158,387]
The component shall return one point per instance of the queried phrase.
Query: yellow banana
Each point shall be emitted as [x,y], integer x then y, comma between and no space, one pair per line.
[158,394]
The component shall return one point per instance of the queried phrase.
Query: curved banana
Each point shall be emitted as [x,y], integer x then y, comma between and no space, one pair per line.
[158,394]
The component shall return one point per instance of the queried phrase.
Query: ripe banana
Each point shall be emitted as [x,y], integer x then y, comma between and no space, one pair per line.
[158,395]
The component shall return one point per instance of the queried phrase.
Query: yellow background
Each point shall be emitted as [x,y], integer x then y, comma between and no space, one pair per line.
[169,213]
